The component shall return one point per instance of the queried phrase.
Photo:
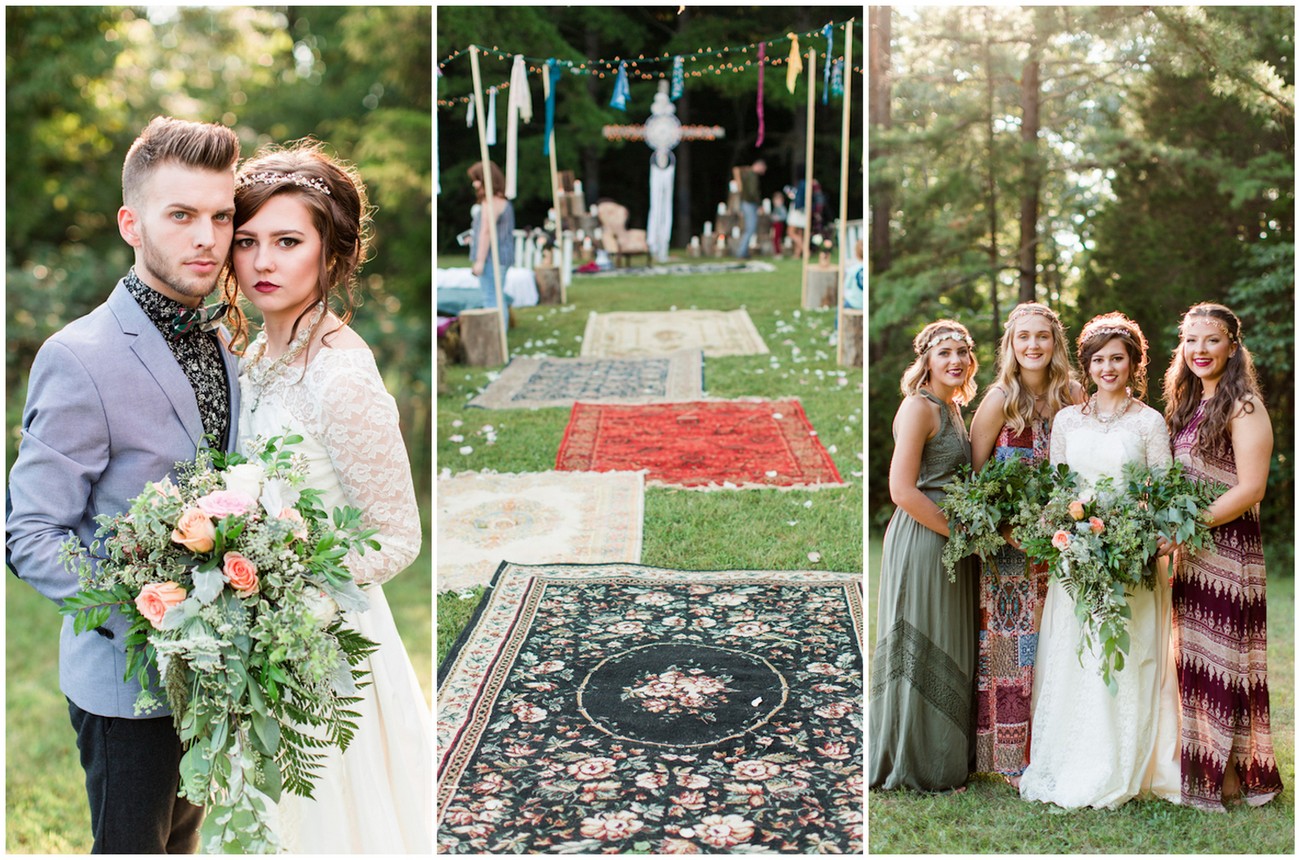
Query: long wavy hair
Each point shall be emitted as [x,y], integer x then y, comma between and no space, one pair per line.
[1099,331]
[918,373]
[1238,387]
[341,215]
[1019,405]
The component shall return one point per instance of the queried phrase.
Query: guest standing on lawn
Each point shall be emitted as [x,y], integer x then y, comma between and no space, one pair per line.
[924,663]
[1221,432]
[1035,381]
[480,243]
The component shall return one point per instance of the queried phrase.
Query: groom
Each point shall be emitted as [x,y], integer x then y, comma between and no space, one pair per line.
[114,400]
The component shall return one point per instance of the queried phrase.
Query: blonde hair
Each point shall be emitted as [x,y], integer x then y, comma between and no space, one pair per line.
[918,374]
[1019,404]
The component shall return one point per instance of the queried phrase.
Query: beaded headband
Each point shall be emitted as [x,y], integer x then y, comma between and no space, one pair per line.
[1211,318]
[275,177]
[1028,310]
[1110,331]
[949,334]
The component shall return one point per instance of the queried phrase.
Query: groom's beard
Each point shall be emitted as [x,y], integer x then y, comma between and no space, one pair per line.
[172,273]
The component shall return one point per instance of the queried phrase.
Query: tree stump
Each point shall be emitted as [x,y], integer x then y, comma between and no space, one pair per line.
[480,335]
[823,287]
[851,336]
[548,285]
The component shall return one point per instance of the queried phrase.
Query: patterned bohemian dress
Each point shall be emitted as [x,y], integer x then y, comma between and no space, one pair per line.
[1221,631]
[922,674]
[1010,612]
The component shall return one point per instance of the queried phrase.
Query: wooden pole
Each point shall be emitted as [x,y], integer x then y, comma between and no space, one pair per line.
[808,172]
[485,210]
[844,186]
[555,183]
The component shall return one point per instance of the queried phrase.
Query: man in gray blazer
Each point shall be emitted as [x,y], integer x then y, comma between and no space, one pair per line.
[114,400]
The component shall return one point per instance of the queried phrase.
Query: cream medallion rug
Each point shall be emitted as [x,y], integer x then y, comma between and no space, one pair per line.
[637,334]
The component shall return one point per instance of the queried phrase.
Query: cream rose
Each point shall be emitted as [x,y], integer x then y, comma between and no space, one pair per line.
[156,598]
[321,606]
[240,573]
[246,478]
[194,531]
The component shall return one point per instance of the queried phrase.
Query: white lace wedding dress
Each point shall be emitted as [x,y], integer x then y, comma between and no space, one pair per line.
[377,797]
[1090,748]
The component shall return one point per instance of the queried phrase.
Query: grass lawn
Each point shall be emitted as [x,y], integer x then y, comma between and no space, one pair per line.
[990,817]
[45,796]
[746,529]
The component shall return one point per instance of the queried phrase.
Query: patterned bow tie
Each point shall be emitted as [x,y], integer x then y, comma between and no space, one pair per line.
[201,318]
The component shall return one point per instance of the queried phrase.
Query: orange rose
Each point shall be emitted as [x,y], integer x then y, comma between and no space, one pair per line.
[240,573]
[194,531]
[1076,510]
[156,598]
[1096,525]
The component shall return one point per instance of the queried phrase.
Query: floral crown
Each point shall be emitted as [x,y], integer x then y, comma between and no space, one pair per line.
[1108,330]
[944,334]
[1032,310]
[276,177]
[1211,318]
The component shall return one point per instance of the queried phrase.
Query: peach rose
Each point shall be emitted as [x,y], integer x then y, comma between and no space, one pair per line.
[194,531]
[292,515]
[156,598]
[1061,539]
[240,573]
[1095,525]
[1076,510]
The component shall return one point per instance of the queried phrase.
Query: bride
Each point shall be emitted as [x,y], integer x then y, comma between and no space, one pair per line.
[301,225]
[1090,748]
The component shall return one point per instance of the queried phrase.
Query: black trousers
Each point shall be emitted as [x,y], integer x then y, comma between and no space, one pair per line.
[132,776]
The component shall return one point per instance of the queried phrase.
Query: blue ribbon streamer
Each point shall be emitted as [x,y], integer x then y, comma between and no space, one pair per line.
[829,32]
[552,69]
[837,79]
[679,78]
[621,90]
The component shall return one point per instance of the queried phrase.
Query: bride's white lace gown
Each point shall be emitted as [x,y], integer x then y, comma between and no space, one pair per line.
[377,797]
[1090,748]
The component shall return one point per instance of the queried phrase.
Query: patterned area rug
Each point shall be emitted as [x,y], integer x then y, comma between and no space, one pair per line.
[620,708]
[637,334]
[485,519]
[535,383]
[705,444]
[736,267]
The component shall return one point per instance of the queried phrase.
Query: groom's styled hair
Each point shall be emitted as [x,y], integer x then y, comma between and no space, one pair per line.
[200,145]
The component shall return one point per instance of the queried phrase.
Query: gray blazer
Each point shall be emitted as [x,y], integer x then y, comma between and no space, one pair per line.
[108,410]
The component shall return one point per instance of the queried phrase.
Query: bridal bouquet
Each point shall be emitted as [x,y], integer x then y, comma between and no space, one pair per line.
[232,581]
[1100,546]
[978,504]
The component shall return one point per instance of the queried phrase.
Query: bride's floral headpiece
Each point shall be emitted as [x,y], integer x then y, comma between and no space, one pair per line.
[947,334]
[1206,316]
[275,177]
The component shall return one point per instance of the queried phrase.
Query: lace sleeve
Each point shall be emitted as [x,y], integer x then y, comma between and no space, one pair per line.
[1156,436]
[1057,454]
[359,427]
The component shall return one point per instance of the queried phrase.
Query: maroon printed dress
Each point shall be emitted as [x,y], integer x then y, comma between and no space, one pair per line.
[1220,630]
[1011,610]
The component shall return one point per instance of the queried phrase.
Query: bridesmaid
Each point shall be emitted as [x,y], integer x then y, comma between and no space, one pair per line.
[1221,432]
[1034,383]
[921,681]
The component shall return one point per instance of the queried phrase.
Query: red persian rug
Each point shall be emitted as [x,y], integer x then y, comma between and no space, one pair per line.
[711,444]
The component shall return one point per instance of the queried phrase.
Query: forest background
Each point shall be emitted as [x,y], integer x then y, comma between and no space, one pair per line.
[1138,159]
[720,95]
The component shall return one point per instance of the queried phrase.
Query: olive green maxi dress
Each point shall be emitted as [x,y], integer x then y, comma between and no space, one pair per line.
[922,673]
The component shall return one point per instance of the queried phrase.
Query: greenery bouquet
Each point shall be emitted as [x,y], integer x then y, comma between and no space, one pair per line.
[231,581]
[979,504]
[1101,545]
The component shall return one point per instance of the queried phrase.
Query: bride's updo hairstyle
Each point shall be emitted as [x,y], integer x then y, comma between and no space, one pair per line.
[932,335]
[334,196]
[1238,387]
[1101,330]
[1019,399]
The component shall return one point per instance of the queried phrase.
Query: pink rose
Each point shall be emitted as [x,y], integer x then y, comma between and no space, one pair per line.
[225,503]
[194,531]
[1061,539]
[1076,510]
[1095,525]
[156,598]
[292,515]
[240,573]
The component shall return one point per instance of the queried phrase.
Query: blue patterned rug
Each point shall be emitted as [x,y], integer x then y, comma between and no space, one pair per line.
[535,383]
[621,708]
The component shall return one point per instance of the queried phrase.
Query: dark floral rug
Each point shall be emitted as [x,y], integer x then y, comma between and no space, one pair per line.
[623,708]
[539,383]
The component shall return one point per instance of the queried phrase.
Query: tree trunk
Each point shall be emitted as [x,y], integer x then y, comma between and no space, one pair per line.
[590,157]
[991,184]
[882,204]
[1029,124]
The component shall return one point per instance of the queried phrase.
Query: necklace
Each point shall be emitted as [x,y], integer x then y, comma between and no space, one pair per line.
[259,372]
[1107,420]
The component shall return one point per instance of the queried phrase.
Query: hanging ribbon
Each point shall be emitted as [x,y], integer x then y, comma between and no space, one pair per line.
[837,78]
[520,104]
[761,54]
[491,131]
[829,32]
[679,78]
[795,65]
[621,90]
[469,112]
[520,95]
[552,69]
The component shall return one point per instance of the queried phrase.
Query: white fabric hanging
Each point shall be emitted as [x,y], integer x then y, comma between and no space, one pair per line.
[469,112]
[659,228]
[491,130]
[520,106]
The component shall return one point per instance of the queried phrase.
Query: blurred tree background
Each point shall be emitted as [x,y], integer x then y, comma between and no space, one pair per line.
[1138,159]
[621,169]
